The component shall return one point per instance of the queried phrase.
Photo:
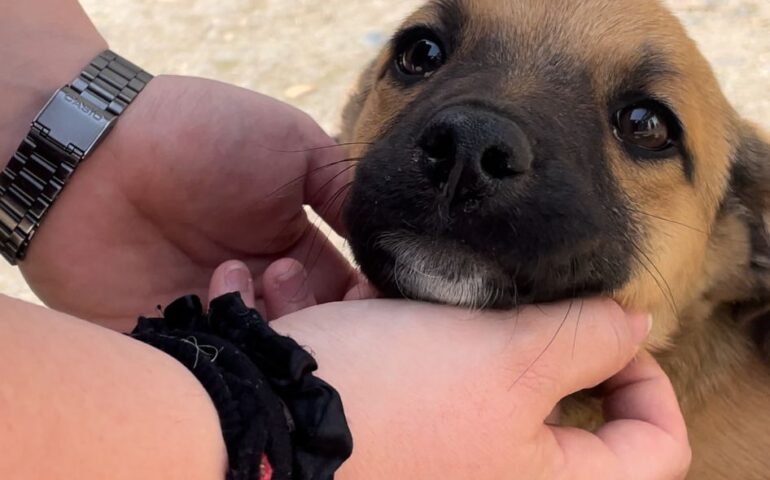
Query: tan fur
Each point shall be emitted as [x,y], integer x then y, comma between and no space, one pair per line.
[695,264]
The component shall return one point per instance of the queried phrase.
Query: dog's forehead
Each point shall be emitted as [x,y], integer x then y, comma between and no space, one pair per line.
[614,45]
[569,16]
[603,34]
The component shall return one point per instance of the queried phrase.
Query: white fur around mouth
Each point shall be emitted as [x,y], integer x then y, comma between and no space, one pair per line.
[433,271]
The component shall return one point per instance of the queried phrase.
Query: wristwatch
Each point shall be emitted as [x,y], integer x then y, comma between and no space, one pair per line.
[66,130]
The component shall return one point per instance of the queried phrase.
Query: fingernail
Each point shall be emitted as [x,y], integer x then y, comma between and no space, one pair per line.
[292,285]
[641,326]
[238,279]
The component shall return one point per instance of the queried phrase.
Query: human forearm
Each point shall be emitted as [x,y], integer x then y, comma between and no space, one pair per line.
[79,401]
[43,45]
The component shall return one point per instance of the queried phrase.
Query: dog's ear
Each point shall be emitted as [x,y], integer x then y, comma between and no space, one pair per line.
[355,104]
[750,184]
[751,171]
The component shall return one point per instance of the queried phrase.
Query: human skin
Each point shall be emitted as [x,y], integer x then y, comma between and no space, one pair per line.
[429,392]
[195,172]
[427,387]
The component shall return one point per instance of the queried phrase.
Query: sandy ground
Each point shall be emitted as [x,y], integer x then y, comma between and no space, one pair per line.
[308,52]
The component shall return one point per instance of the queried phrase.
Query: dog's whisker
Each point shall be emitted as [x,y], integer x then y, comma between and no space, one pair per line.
[660,280]
[577,326]
[548,345]
[316,149]
[311,172]
[317,233]
[283,230]
[664,219]
[330,181]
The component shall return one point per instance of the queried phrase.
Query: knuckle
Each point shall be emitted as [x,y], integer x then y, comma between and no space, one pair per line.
[678,460]
[616,333]
[610,334]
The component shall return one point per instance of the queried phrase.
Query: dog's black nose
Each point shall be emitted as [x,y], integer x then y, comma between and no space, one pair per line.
[468,150]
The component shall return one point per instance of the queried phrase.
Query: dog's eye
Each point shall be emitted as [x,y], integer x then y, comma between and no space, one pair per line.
[420,57]
[648,125]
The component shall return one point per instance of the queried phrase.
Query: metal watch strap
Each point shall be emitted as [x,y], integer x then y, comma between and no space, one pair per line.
[66,130]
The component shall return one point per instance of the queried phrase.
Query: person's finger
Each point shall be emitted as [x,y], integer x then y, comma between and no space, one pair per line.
[645,437]
[571,346]
[330,274]
[230,277]
[644,419]
[286,289]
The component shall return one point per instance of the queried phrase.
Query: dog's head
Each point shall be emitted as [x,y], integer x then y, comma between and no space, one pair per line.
[526,151]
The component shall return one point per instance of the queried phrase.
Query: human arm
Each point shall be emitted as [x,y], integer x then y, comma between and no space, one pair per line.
[80,401]
[195,172]
[43,44]
[429,392]
[437,392]
[434,393]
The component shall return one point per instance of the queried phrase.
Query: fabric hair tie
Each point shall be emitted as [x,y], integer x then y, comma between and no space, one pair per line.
[279,421]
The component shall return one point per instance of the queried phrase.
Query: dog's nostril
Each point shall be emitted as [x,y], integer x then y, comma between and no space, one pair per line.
[497,163]
[440,150]
[439,145]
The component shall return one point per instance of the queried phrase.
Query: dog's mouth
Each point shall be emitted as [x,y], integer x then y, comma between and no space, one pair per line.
[440,271]
[407,265]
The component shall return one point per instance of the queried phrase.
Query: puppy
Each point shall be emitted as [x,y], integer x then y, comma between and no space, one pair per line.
[518,151]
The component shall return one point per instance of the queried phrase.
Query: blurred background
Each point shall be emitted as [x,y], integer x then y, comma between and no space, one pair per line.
[309,52]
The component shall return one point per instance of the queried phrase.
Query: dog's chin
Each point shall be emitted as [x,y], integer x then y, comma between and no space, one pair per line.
[440,271]
[408,265]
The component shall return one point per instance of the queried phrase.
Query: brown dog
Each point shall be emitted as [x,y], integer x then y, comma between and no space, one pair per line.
[520,151]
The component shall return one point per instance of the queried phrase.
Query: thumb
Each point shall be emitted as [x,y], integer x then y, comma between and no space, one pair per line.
[576,345]
[286,289]
[231,277]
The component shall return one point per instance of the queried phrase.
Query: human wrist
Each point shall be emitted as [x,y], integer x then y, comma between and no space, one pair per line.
[43,44]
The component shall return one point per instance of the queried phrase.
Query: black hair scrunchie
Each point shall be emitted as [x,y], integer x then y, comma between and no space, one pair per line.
[262,385]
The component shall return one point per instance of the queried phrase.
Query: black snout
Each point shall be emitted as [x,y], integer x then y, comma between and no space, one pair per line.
[468,151]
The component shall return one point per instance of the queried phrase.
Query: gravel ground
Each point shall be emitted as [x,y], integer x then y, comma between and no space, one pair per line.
[308,52]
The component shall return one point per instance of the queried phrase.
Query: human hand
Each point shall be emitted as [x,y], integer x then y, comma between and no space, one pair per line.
[195,172]
[436,392]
